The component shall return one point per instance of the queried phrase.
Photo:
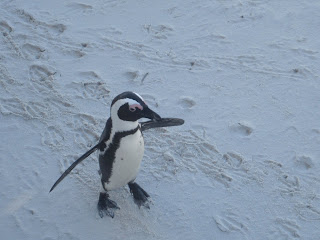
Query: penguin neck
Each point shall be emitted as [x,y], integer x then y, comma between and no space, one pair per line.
[119,125]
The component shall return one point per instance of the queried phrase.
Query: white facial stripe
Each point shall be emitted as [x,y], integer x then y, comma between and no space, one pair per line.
[139,97]
[131,101]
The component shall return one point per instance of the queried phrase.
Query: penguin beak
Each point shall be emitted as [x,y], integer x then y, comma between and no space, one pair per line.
[148,113]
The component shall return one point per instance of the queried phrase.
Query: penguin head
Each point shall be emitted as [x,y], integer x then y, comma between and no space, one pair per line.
[129,107]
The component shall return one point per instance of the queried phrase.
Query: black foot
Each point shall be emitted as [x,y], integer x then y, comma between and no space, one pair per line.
[105,205]
[140,196]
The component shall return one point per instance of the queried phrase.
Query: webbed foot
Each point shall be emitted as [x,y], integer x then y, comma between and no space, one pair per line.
[106,206]
[140,196]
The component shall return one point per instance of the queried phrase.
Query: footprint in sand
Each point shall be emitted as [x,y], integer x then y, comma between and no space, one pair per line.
[159,31]
[242,129]
[289,184]
[32,51]
[53,137]
[40,73]
[187,102]
[231,222]
[304,162]
[150,100]
[284,229]
[5,28]
[308,212]
[79,6]
[41,79]
[84,128]
[13,106]
[233,159]
[37,110]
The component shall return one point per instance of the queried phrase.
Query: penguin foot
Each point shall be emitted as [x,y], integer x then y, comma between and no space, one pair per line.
[140,196]
[106,206]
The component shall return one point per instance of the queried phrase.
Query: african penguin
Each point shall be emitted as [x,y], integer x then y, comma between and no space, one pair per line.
[121,149]
[121,154]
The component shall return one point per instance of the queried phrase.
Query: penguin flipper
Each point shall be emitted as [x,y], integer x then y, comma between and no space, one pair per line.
[73,165]
[164,122]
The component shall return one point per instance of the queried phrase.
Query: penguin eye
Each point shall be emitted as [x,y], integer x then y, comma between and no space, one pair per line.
[132,109]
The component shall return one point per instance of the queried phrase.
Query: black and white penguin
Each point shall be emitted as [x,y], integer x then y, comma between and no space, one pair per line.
[121,149]
[121,154]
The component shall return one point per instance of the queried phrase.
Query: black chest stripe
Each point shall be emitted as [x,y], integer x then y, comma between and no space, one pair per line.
[106,160]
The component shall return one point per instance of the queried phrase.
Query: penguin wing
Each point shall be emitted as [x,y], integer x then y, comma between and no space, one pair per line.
[104,136]
[79,160]
[164,122]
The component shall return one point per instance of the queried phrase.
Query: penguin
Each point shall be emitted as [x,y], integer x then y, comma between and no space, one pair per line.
[121,149]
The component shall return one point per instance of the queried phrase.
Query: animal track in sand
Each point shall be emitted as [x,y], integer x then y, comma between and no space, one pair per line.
[5,28]
[230,222]
[149,54]
[189,150]
[289,184]
[242,129]
[21,200]
[304,162]
[53,137]
[96,89]
[180,149]
[6,31]
[77,53]
[160,31]
[13,106]
[37,110]
[84,120]
[32,51]
[234,159]
[132,75]
[136,76]
[306,170]
[90,75]
[6,80]
[92,86]
[56,28]
[84,128]
[32,180]
[309,212]
[187,102]
[316,131]
[91,89]
[57,104]
[284,229]
[240,169]
[79,6]
[40,73]
[41,79]
[150,100]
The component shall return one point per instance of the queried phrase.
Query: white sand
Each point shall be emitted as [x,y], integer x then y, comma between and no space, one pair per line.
[244,74]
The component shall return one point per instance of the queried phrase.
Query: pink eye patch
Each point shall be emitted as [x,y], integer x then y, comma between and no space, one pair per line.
[134,106]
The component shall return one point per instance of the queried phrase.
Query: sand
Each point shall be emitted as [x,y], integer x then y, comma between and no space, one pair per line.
[243,74]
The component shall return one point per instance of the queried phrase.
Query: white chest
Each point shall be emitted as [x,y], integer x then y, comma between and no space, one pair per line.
[127,161]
